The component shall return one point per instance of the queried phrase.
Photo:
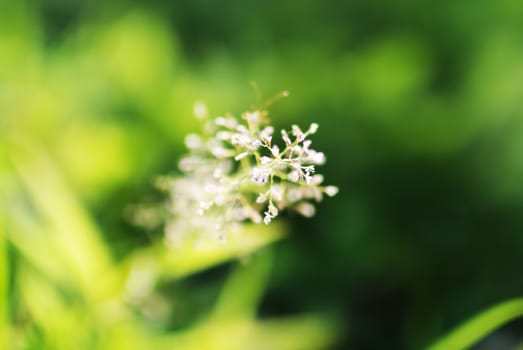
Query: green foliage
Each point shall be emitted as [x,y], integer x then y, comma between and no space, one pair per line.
[76,296]
[65,146]
[420,111]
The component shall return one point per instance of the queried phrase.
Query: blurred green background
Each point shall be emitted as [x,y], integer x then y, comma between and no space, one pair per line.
[420,106]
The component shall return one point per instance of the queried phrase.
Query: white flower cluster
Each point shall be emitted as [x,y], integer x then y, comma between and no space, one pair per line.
[235,172]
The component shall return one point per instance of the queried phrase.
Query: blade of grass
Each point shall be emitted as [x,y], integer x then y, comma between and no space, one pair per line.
[71,227]
[4,258]
[190,257]
[243,289]
[29,239]
[481,325]
[4,280]
[61,321]
[302,332]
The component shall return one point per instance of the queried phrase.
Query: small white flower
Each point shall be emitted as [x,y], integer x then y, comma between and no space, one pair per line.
[218,173]
[275,150]
[220,199]
[331,191]
[224,135]
[200,110]
[220,152]
[266,134]
[294,195]
[242,129]
[240,139]
[188,164]
[205,205]
[193,141]
[228,122]
[262,198]
[240,214]
[256,144]
[312,192]
[265,160]
[306,209]
[286,138]
[252,117]
[294,176]
[314,157]
[308,178]
[273,210]
[307,145]
[296,131]
[260,176]
[309,169]
[313,128]
[297,150]
[220,121]
[277,193]
[254,216]
[317,179]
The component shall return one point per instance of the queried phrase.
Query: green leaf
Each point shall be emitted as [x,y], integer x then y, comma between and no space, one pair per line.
[191,257]
[4,280]
[70,228]
[244,288]
[481,325]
